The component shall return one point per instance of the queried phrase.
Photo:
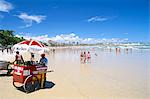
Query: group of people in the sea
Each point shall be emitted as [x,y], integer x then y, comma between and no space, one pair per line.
[85,57]
[126,50]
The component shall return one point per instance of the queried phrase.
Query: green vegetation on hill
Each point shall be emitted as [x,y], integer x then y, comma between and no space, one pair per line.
[7,38]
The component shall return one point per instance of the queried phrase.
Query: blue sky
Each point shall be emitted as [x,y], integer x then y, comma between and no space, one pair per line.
[85,18]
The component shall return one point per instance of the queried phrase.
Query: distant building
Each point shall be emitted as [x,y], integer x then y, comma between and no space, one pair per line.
[53,43]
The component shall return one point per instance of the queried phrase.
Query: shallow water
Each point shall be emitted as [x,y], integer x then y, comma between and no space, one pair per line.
[108,75]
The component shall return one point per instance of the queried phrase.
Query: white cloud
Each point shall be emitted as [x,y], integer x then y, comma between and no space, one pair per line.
[29,19]
[5,6]
[43,38]
[73,38]
[97,19]
[66,38]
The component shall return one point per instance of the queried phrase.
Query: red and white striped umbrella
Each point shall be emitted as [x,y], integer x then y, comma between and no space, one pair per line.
[32,46]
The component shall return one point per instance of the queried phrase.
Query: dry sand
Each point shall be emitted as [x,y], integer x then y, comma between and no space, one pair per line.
[108,76]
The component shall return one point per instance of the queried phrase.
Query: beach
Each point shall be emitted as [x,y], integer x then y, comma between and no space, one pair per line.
[108,75]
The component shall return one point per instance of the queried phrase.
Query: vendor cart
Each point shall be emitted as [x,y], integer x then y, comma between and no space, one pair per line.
[5,67]
[30,77]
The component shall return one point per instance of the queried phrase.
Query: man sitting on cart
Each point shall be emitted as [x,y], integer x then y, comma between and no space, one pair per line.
[43,60]
[32,59]
[18,58]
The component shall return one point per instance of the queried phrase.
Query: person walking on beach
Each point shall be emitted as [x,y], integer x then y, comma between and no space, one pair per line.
[18,58]
[7,50]
[53,50]
[2,50]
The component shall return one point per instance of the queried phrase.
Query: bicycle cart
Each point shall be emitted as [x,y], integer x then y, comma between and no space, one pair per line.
[31,77]
[5,67]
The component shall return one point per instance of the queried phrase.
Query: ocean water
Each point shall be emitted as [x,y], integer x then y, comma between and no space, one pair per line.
[108,75]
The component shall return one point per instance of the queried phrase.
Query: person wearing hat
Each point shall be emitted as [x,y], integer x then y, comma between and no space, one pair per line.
[43,59]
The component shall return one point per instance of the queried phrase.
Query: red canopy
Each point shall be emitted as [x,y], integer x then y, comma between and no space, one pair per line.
[32,42]
[31,46]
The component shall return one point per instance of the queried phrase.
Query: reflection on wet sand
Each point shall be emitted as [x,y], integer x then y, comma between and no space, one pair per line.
[85,69]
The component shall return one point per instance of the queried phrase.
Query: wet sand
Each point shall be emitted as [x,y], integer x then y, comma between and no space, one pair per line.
[109,75]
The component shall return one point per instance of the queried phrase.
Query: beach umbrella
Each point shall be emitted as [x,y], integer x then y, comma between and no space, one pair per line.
[32,46]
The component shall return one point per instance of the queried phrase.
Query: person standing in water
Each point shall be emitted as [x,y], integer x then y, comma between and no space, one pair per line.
[84,57]
[81,56]
[88,56]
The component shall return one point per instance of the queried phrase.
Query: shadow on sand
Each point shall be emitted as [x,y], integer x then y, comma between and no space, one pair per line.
[4,75]
[48,85]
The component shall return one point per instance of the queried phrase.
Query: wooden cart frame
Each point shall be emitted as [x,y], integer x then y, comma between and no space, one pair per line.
[31,78]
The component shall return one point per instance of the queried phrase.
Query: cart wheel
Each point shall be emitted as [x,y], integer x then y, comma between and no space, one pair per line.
[15,85]
[31,84]
[9,69]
